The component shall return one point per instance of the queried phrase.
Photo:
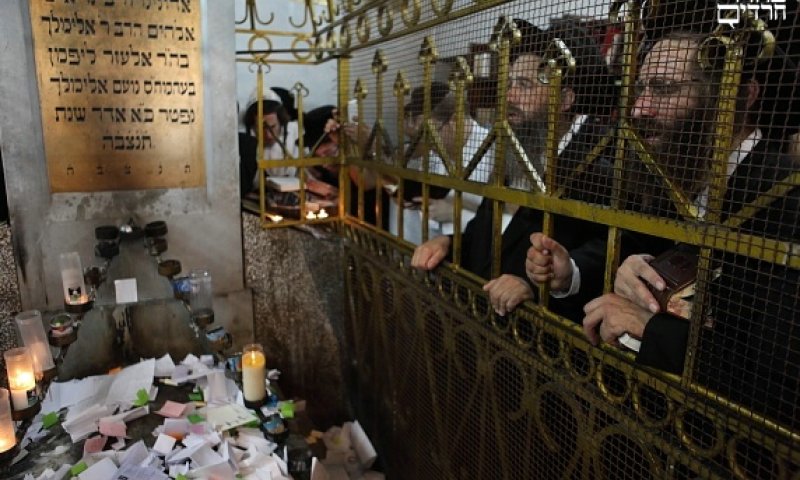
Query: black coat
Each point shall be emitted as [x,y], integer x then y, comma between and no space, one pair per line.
[751,352]
[593,186]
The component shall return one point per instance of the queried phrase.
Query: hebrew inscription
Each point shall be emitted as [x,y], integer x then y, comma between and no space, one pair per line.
[121,88]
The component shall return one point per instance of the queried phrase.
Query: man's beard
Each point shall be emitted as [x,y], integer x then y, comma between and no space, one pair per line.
[683,153]
[531,133]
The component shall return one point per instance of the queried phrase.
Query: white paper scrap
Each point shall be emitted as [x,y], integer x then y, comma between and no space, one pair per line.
[135,454]
[102,470]
[164,444]
[164,366]
[205,456]
[363,447]
[129,472]
[228,416]
[130,380]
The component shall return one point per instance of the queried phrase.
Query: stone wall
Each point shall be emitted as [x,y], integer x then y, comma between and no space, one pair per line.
[297,283]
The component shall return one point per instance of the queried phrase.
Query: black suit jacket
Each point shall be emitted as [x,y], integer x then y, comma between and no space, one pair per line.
[593,186]
[248,166]
[751,352]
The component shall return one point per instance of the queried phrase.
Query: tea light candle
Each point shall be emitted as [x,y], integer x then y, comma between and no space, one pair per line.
[275,218]
[19,365]
[7,436]
[322,214]
[311,216]
[254,373]
[60,325]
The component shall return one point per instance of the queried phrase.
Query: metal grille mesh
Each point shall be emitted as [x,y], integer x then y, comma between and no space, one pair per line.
[674,94]
[447,393]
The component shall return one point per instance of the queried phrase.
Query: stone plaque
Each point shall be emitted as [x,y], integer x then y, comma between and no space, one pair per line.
[121,88]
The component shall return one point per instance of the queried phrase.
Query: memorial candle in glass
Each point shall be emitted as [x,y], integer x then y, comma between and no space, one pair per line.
[254,373]
[7,434]
[31,330]
[19,365]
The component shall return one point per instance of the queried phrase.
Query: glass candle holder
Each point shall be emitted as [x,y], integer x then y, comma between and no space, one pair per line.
[202,296]
[33,336]
[72,278]
[7,435]
[254,373]
[19,365]
[60,325]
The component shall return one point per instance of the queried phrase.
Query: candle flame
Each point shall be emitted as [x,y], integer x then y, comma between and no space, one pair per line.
[22,381]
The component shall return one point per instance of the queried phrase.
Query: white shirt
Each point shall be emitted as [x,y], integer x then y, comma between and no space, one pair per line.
[412,218]
[275,152]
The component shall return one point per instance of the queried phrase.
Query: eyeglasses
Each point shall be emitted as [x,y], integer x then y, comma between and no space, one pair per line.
[527,83]
[661,87]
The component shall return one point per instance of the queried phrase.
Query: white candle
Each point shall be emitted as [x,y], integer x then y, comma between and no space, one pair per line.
[254,373]
[19,365]
[322,214]
[19,398]
[7,436]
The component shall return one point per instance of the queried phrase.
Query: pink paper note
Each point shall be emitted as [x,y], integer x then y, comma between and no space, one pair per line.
[172,409]
[94,444]
[113,428]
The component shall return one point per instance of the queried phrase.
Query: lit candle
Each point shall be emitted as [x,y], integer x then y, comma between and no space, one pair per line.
[72,279]
[254,373]
[275,218]
[322,214]
[311,216]
[19,365]
[7,437]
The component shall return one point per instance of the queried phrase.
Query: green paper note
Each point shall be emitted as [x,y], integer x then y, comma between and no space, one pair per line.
[195,418]
[286,409]
[50,419]
[180,477]
[254,424]
[142,398]
[78,468]
[196,396]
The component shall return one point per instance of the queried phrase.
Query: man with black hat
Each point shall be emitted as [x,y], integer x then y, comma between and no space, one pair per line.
[587,100]
[749,346]
[279,132]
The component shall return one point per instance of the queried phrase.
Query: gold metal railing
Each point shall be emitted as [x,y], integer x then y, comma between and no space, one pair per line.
[447,388]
